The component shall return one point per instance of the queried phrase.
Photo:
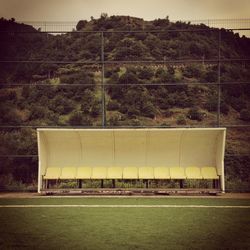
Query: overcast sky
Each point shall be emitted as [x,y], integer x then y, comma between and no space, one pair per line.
[74,10]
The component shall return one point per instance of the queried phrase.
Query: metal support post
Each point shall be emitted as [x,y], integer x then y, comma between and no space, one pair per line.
[219,80]
[214,184]
[181,183]
[80,183]
[103,87]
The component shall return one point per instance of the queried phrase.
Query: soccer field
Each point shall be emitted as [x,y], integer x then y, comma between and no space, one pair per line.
[124,223]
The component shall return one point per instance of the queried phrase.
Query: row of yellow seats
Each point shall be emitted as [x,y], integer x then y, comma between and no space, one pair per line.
[131,173]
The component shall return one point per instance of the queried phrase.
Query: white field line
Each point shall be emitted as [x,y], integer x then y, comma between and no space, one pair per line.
[119,206]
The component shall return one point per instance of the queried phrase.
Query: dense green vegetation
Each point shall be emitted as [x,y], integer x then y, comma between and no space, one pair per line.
[124,228]
[59,61]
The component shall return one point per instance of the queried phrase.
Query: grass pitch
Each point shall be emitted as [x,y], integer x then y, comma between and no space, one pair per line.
[125,227]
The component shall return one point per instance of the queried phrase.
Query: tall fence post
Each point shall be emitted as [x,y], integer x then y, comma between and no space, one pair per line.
[103,87]
[219,79]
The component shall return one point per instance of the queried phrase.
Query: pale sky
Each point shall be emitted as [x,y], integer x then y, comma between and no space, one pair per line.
[74,10]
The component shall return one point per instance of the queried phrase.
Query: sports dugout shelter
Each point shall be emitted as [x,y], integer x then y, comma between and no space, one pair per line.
[122,154]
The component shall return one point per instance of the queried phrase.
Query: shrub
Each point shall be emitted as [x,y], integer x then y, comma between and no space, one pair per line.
[85,107]
[163,103]
[181,120]
[135,122]
[123,109]
[182,100]
[26,91]
[68,106]
[168,113]
[12,96]
[128,78]
[245,115]
[61,105]
[53,117]
[114,120]
[95,109]
[211,75]
[9,116]
[165,124]
[212,104]
[8,183]
[238,166]
[37,112]
[195,114]
[113,105]
[159,72]
[149,110]
[166,76]
[77,118]
[237,103]
[224,108]
[193,70]
[133,112]
[146,73]
[108,73]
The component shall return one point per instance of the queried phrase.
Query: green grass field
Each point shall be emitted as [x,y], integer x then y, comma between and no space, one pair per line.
[125,227]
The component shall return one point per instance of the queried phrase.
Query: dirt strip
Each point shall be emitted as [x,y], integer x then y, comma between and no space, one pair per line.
[15,195]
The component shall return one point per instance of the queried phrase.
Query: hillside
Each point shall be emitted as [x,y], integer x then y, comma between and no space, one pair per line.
[62,89]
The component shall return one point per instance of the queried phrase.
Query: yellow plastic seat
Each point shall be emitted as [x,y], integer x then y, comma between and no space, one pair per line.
[52,173]
[193,173]
[83,173]
[68,173]
[146,173]
[209,173]
[99,173]
[161,173]
[177,173]
[130,173]
[114,173]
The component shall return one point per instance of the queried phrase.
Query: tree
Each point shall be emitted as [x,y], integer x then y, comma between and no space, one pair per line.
[104,16]
[81,25]
[195,49]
